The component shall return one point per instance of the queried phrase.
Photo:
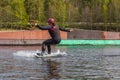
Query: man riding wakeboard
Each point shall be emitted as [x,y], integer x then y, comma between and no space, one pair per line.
[54,32]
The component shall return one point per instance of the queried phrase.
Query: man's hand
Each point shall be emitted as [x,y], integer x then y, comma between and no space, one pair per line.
[36,24]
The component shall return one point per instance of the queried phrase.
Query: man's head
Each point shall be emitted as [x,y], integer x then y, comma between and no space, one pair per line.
[51,21]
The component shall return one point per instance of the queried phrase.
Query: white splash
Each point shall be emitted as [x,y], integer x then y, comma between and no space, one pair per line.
[59,52]
[24,53]
[32,53]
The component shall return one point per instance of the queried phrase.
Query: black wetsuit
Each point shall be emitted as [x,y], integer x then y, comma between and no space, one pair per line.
[55,36]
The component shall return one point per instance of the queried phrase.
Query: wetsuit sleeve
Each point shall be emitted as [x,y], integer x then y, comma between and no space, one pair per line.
[62,29]
[43,27]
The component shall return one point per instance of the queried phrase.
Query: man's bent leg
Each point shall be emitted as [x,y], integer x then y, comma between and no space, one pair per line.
[49,49]
[43,47]
[48,43]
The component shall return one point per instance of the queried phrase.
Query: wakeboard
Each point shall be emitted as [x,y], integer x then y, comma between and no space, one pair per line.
[53,54]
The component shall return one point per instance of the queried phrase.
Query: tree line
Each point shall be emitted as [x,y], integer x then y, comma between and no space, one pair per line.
[88,14]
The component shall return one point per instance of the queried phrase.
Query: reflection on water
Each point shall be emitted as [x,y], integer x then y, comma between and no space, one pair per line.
[52,69]
[81,63]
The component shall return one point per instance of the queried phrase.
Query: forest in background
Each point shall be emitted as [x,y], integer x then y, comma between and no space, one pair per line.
[83,14]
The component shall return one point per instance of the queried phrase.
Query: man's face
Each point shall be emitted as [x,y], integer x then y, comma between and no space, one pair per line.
[50,23]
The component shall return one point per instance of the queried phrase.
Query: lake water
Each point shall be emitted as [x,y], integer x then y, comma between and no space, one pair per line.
[81,63]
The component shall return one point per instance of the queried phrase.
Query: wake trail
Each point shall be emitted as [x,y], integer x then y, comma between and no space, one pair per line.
[24,53]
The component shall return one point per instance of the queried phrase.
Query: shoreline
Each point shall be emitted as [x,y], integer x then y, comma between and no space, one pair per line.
[76,37]
[62,43]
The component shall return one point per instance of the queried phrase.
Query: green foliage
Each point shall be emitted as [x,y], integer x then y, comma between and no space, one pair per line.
[58,10]
[19,10]
[65,12]
[4,3]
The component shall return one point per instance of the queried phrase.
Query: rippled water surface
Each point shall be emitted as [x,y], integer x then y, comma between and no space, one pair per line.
[81,63]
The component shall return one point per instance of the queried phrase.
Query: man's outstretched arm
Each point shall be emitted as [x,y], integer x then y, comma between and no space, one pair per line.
[66,30]
[43,27]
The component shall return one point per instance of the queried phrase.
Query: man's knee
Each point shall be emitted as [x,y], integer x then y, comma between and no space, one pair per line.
[44,43]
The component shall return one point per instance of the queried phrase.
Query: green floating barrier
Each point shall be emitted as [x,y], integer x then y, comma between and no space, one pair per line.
[90,42]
